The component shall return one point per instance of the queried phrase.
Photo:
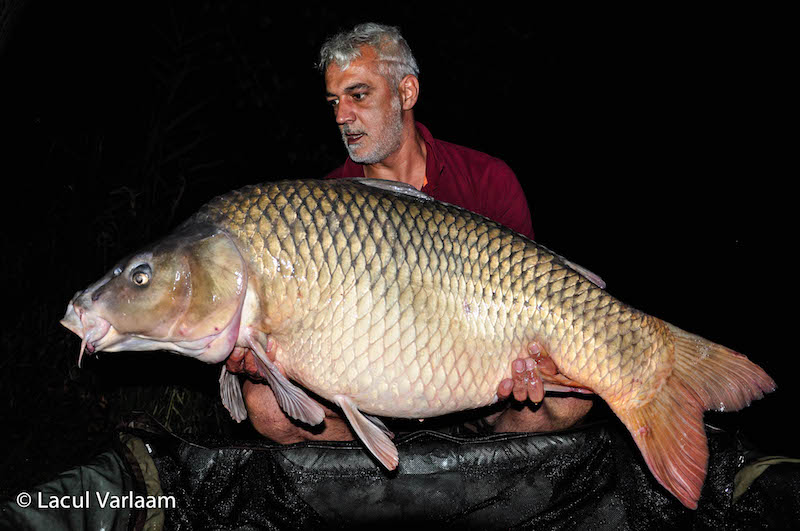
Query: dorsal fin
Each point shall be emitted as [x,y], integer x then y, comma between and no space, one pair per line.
[588,275]
[392,186]
[592,277]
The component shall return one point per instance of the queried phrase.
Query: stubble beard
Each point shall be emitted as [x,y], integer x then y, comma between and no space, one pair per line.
[385,141]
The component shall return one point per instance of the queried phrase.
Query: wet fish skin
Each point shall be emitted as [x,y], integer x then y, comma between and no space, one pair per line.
[389,303]
[367,295]
[183,293]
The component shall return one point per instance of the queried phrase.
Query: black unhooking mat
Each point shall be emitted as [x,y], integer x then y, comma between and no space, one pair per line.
[590,477]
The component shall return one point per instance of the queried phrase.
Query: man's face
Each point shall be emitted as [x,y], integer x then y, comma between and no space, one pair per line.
[367,108]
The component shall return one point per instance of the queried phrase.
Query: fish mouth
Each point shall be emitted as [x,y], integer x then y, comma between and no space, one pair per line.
[91,328]
[98,334]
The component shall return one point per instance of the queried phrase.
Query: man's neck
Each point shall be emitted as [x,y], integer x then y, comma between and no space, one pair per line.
[407,164]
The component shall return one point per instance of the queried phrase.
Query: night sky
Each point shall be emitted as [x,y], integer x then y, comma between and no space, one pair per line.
[651,145]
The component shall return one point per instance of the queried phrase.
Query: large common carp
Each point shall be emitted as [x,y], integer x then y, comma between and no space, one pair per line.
[389,303]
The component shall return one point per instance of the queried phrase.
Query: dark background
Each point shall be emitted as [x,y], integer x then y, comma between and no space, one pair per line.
[651,144]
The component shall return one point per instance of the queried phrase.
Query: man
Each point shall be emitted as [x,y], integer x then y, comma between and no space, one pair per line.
[373,89]
[372,83]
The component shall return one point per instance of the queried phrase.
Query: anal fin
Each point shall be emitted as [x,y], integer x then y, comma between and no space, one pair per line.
[379,423]
[559,382]
[375,436]
[557,388]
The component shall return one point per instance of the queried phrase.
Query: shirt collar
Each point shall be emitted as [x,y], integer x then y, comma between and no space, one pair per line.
[433,165]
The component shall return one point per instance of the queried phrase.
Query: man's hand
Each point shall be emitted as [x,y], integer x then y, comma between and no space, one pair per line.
[532,412]
[243,361]
[526,383]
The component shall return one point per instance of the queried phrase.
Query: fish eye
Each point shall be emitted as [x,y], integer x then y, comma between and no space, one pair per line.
[141,274]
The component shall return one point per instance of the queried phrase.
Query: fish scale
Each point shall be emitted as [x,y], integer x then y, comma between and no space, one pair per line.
[419,354]
[477,328]
[387,302]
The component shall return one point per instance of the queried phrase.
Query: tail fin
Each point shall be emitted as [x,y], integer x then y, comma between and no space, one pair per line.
[669,429]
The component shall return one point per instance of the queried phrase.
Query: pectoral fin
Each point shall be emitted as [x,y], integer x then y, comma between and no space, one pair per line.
[375,436]
[293,400]
[231,392]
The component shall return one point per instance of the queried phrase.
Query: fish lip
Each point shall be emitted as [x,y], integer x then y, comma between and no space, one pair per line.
[90,327]
[98,334]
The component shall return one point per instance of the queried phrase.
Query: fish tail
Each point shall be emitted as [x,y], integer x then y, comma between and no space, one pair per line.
[669,428]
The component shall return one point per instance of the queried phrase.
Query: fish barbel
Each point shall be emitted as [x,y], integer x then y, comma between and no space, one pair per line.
[389,303]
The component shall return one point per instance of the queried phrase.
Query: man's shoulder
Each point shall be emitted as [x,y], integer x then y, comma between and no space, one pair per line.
[469,155]
[472,164]
[463,157]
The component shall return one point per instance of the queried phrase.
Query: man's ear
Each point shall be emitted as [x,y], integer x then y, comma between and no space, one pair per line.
[409,91]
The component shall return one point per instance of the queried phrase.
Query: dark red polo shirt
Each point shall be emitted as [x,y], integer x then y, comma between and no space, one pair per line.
[466,178]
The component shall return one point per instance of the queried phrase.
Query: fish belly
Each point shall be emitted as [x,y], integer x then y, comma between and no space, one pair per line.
[403,358]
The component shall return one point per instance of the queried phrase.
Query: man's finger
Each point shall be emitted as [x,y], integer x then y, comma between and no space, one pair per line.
[250,366]
[234,361]
[520,390]
[505,388]
[535,389]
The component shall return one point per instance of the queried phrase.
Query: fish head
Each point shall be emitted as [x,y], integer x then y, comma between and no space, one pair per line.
[183,294]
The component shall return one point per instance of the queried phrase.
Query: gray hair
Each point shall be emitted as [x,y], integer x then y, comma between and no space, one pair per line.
[397,61]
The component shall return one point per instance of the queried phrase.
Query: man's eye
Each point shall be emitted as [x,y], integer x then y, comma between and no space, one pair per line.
[358,96]
[333,103]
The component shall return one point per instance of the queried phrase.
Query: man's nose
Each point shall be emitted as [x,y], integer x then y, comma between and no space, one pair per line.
[344,113]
